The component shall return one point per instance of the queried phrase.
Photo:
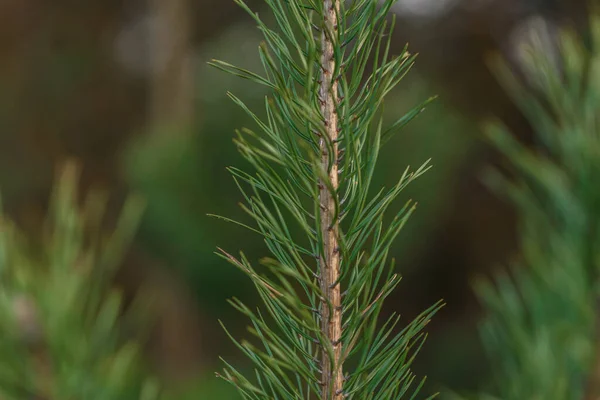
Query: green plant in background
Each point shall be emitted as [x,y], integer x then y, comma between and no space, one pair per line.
[61,321]
[541,332]
[309,196]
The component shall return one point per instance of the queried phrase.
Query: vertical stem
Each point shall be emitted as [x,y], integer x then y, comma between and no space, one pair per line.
[172,86]
[331,310]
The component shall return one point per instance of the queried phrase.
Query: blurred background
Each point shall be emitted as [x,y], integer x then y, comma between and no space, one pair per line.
[123,86]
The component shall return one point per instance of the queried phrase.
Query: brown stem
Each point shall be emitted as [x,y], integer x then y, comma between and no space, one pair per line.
[331,311]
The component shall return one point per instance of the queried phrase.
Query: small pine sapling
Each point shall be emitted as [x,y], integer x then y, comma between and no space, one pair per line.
[328,67]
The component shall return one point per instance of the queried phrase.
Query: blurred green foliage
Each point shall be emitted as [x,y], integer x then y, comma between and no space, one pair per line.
[64,334]
[541,328]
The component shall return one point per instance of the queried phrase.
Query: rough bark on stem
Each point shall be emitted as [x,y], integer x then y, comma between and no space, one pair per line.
[329,269]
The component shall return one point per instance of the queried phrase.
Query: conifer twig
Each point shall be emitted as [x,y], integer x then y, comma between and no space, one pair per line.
[323,103]
[331,312]
[541,329]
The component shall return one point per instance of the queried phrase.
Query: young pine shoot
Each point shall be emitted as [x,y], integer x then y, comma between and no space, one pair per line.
[328,67]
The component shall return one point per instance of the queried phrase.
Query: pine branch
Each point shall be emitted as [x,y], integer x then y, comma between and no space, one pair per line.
[59,314]
[541,331]
[313,160]
[329,266]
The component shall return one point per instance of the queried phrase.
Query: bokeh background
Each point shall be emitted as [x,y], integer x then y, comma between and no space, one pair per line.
[123,86]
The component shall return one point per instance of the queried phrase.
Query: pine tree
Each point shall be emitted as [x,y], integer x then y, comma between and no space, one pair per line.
[541,332]
[62,323]
[313,159]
